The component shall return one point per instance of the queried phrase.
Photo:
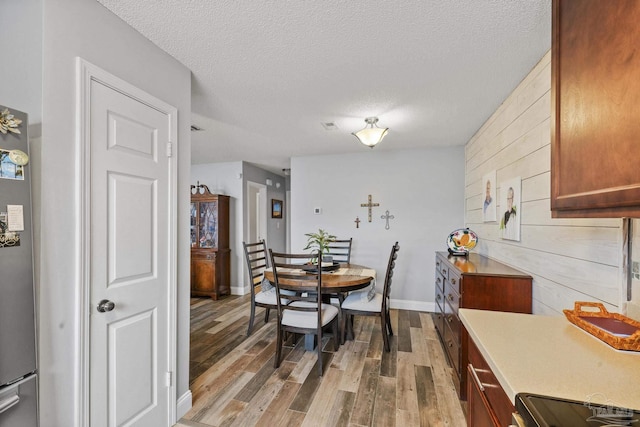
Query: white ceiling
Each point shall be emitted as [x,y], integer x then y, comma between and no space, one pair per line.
[266,74]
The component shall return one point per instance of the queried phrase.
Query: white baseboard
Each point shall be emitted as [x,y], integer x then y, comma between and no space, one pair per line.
[413,305]
[184,404]
[239,290]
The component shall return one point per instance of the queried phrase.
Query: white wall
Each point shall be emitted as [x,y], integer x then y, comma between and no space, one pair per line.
[422,189]
[276,228]
[569,259]
[21,66]
[85,28]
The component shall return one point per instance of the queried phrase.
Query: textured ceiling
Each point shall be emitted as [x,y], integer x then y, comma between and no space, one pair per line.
[266,74]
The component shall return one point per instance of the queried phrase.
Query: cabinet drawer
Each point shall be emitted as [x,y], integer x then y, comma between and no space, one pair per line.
[204,256]
[453,281]
[442,268]
[438,322]
[439,298]
[452,321]
[439,280]
[452,297]
[497,401]
[452,347]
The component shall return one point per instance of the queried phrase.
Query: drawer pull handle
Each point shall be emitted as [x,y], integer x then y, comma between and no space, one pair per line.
[449,319]
[450,344]
[450,297]
[453,281]
[475,377]
[444,271]
[439,297]
[8,403]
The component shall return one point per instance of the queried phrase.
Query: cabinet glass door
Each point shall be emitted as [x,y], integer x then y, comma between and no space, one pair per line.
[194,223]
[208,231]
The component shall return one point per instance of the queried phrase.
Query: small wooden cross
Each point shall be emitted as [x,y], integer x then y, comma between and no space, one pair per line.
[387,217]
[357,221]
[369,205]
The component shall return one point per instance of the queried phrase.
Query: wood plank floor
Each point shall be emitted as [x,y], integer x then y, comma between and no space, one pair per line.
[233,381]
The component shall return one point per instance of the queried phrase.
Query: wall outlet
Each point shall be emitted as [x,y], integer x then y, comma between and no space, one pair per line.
[635,270]
[317,211]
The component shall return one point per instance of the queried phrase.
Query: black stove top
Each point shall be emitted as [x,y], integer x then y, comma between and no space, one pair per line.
[545,411]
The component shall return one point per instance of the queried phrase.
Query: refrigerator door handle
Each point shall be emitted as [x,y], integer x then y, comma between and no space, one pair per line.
[8,403]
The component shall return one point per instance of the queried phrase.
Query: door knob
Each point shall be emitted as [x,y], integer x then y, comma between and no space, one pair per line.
[106,305]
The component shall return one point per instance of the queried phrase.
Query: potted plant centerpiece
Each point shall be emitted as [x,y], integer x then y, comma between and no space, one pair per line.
[319,242]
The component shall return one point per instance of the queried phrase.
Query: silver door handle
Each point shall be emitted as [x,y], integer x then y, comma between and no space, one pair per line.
[106,305]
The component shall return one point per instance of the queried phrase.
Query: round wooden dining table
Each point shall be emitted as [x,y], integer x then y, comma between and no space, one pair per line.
[349,277]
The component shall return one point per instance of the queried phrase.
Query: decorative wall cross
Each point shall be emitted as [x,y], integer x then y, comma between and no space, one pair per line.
[369,205]
[357,221]
[387,217]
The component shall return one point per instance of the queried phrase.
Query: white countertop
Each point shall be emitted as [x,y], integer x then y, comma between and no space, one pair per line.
[548,355]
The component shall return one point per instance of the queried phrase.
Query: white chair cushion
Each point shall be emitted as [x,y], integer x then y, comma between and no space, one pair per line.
[356,301]
[269,297]
[308,319]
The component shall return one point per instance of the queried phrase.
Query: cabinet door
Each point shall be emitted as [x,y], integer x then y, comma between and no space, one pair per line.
[203,273]
[194,225]
[208,225]
[498,403]
[595,94]
[480,414]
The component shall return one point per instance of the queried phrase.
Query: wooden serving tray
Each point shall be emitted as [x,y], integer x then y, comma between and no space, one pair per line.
[619,331]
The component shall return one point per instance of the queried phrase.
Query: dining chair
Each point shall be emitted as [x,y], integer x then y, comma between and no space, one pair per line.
[304,313]
[340,250]
[257,262]
[358,304]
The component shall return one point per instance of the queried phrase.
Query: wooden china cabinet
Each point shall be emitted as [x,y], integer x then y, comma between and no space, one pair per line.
[210,253]
[595,104]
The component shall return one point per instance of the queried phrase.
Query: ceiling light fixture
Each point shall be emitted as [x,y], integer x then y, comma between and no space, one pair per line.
[371,135]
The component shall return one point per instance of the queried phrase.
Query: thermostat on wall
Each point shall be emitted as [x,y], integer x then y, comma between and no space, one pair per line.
[317,211]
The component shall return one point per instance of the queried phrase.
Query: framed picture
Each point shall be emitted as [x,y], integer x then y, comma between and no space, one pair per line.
[276,208]
[489,202]
[510,206]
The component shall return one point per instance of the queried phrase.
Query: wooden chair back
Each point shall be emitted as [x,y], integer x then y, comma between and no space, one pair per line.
[388,278]
[341,250]
[257,261]
[288,275]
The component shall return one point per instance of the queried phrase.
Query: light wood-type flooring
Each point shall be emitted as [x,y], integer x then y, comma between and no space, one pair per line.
[234,383]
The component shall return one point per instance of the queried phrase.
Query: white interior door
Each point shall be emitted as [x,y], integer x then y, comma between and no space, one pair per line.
[130,359]
[256,211]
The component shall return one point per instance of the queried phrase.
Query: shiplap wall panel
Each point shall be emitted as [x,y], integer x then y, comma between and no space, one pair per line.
[539,212]
[557,297]
[570,259]
[591,278]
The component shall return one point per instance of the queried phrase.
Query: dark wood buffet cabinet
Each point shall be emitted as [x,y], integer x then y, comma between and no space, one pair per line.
[210,253]
[473,281]
[595,105]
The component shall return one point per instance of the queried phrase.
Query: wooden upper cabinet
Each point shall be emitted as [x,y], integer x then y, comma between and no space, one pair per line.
[595,108]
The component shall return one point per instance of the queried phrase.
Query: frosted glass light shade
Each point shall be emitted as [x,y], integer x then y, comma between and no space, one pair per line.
[371,135]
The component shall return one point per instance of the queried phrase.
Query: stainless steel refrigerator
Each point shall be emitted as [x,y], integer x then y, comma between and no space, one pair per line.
[18,374]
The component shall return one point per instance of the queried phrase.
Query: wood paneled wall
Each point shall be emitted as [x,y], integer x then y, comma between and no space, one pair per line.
[569,259]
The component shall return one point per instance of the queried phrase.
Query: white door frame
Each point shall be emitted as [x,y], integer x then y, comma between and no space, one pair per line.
[261,214]
[85,74]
